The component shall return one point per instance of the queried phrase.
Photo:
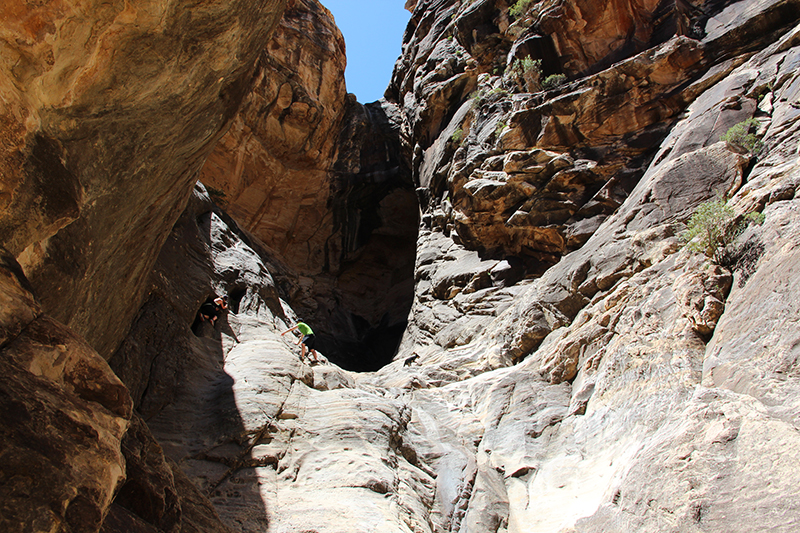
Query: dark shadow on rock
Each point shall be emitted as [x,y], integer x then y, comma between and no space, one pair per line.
[174,366]
[236,296]
[225,327]
[373,349]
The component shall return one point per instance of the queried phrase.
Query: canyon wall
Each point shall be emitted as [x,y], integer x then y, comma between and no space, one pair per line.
[108,110]
[272,167]
[564,347]
[320,179]
[568,365]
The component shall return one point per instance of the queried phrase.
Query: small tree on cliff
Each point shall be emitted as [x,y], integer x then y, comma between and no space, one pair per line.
[554,80]
[742,137]
[527,72]
[713,228]
[519,8]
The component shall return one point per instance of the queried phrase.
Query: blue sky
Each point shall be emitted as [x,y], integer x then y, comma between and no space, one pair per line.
[373,33]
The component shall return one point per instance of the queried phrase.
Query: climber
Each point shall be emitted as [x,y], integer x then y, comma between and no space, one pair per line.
[307,338]
[211,310]
[411,360]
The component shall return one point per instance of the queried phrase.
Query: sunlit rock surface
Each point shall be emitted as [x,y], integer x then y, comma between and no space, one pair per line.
[276,444]
[627,327]
[273,165]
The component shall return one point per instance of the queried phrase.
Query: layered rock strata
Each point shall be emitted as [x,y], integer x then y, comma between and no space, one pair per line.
[518,180]
[620,339]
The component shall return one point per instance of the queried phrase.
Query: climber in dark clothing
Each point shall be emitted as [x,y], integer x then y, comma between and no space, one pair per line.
[210,310]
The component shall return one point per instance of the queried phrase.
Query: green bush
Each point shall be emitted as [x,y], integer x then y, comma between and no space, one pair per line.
[458,136]
[477,97]
[553,80]
[713,228]
[498,130]
[527,72]
[531,65]
[740,136]
[519,9]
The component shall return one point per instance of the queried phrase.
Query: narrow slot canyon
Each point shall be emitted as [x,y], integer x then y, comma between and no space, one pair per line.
[517,330]
[325,183]
[361,299]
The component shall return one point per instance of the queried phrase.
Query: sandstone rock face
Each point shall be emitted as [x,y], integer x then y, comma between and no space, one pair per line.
[523,179]
[273,165]
[64,415]
[613,382]
[276,444]
[203,257]
[568,364]
[108,111]
[618,325]
[588,36]
[321,180]
[361,298]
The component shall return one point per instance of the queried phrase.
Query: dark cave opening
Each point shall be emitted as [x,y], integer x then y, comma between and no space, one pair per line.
[372,351]
[235,296]
[361,312]
[362,301]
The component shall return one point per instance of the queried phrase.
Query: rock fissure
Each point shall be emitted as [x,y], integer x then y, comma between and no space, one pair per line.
[243,460]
